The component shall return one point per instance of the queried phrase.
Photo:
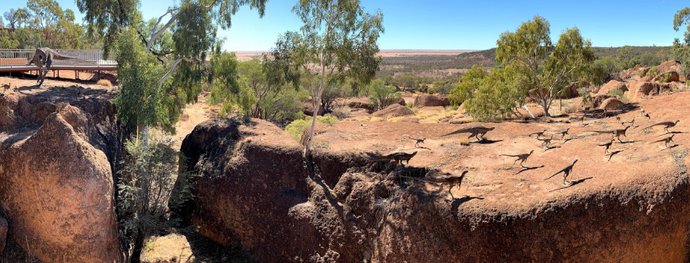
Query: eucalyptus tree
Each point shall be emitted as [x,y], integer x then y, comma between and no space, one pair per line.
[337,40]
[161,67]
[681,48]
[547,69]
[191,33]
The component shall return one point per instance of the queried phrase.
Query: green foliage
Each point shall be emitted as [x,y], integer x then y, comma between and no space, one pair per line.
[467,86]
[43,23]
[547,69]
[382,95]
[492,96]
[617,92]
[337,37]
[652,72]
[296,128]
[681,48]
[441,87]
[665,77]
[137,101]
[143,191]
[409,104]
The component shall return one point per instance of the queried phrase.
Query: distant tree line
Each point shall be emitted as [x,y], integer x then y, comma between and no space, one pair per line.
[43,23]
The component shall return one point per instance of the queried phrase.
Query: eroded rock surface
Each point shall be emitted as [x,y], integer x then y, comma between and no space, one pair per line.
[56,188]
[3,233]
[256,192]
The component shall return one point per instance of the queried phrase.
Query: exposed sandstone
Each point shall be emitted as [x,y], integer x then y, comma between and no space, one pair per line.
[671,67]
[57,192]
[427,100]
[395,110]
[255,192]
[611,86]
[611,103]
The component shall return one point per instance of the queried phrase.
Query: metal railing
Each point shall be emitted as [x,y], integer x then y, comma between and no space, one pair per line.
[21,57]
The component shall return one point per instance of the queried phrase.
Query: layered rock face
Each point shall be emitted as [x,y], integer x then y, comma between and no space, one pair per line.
[256,193]
[56,184]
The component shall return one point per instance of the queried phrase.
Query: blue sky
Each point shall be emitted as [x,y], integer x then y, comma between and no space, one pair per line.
[458,24]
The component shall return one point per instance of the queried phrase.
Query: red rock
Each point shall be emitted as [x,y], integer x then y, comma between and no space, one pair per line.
[57,190]
[611,86]
[395,110]
[3,234]
[427,100]
[611,103]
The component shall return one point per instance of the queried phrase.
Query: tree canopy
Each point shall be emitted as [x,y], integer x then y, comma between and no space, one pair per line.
[548,68]
[681,48]
[337,40]
[43,23]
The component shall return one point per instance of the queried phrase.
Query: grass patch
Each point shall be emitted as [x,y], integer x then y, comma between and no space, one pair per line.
[409,104]
[104,82]
[376,119]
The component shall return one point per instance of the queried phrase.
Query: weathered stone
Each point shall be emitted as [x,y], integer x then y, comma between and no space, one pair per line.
[57,192]
[395,110]
[611,86]
[430,101]
[3,234]
[611,103]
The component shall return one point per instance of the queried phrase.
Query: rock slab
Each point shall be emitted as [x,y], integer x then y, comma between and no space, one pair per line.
[57,192]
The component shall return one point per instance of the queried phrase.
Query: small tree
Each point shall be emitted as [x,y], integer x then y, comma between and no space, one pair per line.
[547,69]
[144,189]
[681,48]
[382,95]
[337,40]
[492,96]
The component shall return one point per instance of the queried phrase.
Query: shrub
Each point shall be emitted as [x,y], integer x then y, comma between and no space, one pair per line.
[664,78]
[617,92]
[652,72]
[409,104]
[382,95]
[144,190]
[296,128]
[341,112]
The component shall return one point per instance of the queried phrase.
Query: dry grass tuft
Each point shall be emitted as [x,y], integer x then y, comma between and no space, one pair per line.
[104,82]
[376,119]
[464,141]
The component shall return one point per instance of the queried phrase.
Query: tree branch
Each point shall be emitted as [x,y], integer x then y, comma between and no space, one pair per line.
[172,68]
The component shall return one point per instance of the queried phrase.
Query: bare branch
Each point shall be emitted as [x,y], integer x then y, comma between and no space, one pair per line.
[172,68]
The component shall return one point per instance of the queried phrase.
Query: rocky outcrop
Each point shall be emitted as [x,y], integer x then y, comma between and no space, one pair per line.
[611,103]
[368,106]
[431,101]
[297,221]
[611,86]
[255,192]
[56,188]
[642,89]
[3,234]
[395,110]
[670,69]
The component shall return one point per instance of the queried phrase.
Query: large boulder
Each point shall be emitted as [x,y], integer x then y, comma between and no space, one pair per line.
[395,110]
[366,105]
[611,86]
[611,103]
[3,234]
[427,100]
[642,89]
[56,190]
[297,222]
[670,68]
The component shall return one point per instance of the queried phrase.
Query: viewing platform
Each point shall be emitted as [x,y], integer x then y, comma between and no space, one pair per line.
[16,60]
